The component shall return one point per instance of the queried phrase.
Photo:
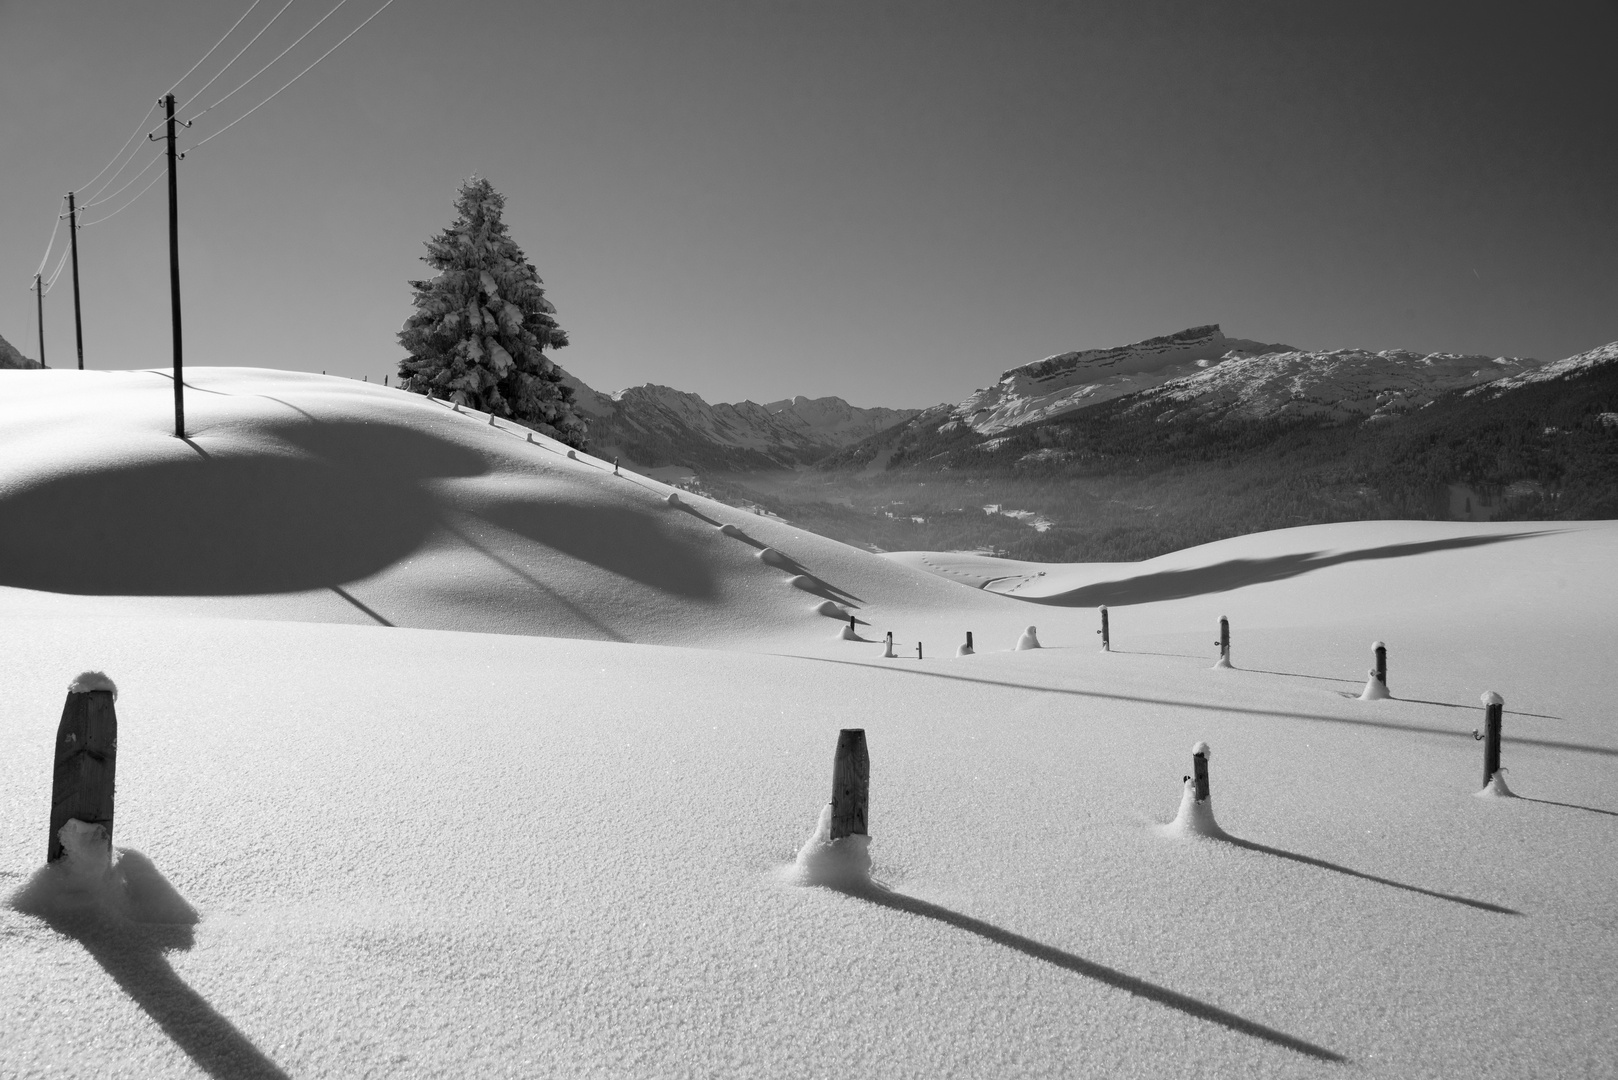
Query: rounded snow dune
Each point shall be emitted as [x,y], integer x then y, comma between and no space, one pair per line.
[316,498]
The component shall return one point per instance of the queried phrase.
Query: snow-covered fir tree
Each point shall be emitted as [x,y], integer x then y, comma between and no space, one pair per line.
[481,327]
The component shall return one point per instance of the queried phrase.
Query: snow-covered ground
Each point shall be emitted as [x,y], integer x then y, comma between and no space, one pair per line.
[544,823]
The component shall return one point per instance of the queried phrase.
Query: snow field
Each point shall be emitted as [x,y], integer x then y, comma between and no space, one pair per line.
[416,850]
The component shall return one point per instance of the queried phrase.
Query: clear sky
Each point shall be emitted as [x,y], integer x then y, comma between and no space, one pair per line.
[891,202]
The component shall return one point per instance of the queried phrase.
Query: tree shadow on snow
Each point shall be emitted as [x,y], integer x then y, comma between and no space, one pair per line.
[1237,573]
[1309,860]
[1190,1006]
[337,504]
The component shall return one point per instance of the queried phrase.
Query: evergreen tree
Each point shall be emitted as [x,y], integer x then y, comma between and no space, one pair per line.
[481,327]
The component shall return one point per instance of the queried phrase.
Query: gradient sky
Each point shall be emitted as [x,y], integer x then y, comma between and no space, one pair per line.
[890,202]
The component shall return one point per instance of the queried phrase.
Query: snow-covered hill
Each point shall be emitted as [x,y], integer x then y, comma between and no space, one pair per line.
[1075,380]
[658,426]
[378,850]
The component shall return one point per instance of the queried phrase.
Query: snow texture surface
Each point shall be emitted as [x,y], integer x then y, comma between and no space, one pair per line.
[474,760]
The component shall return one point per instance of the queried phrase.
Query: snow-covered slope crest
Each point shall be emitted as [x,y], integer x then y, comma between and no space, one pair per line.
[1076,380]
[319,499]
[1577,364]
[1342,384]
[657,425]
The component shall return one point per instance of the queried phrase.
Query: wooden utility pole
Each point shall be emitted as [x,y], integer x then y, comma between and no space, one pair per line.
[39,292]
[73,245]
[174,269]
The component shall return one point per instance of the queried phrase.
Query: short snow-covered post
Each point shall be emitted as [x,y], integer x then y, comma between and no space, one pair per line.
[1029,639]
[86,758]
[888,653]
[1376,687]
[965,650]
[1494,707]
[615,466]
[1196,816]
[1199,770]
[850,785]
[1106,636]
[1223,643]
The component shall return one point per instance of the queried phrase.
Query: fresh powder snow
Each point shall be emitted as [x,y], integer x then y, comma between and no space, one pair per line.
[443,754]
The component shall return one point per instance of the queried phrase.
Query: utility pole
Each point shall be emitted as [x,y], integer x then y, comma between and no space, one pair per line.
[167,102]
[39,292]
[73,238]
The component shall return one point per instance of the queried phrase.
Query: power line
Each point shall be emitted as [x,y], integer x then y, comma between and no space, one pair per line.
[45,258]
[121,190]
[210,52]
[233,59]
[271,64]
[120,152]
[295,78]
[91,200]
[131,202]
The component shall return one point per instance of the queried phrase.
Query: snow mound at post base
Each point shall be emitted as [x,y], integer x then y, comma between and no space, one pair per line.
[89,879]
[1194,819]
[844,863]
[1496,788]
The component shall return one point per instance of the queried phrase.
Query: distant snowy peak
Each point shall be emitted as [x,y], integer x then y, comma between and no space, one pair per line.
[1076,380]
[11,358]
[658,425]
[1578,364]
[1343,384]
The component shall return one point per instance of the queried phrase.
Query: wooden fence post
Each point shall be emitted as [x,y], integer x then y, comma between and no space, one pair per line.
[86,760]
[966,650]
[888,653]
[1380,651]
[850,785]
[918,650]
[1223,643]
[1106,638]
[1494,708]
[1199,769]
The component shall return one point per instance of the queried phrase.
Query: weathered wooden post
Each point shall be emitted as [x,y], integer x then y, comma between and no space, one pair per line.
[850,785]
[1106,637]
[1224,640]
[1376,686]
[1200,754]
[966,650]
[86,758]
[851,627]
[888,653]
[918,650]
[615,466]
[1494,707]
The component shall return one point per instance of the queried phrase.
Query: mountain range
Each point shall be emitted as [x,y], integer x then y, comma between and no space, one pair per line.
[10,357]
[1126,453]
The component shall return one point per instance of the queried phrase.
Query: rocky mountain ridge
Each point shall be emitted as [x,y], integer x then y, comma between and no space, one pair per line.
[10,357]
[656,426]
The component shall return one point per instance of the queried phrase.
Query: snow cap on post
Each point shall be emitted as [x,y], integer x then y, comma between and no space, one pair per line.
[1491,698]
[1202,749]
[92,680]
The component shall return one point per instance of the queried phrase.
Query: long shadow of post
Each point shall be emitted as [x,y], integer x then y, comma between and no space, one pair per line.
[1090,969]
[1309,860]
[133,954]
